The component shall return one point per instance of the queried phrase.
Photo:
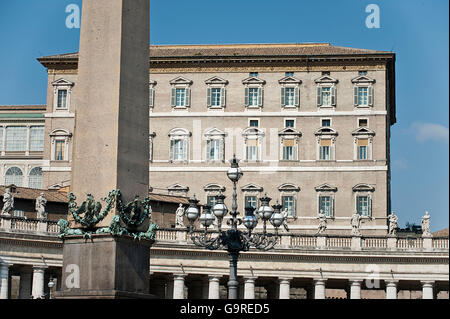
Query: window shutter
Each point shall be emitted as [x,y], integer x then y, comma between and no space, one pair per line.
[283,96]
[223,94]
[221,150]
[369,210]
[208,150]
[370,93]
[173,97]
[246,96]
[172,145]
[185,150]
[297,96]
[332,207]
[188,96]
[260,96]
[319,96]
[318,205]
[333,95]
[208,97]
[151,97]
[355,95]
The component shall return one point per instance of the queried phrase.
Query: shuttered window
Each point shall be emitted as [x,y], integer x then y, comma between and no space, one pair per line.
[289,150]
[362,147]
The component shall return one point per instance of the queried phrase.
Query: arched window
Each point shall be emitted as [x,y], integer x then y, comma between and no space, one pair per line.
[14,176]
[179,145]
[35,178]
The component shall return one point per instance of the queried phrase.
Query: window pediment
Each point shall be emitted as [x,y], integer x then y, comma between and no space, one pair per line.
[216,80]
[253,80]
[326,131]
[179,132]
[181,81]
[289,131]
[363,79]
[178,188]
[214,188]
[60,132]
[288,188]
[326,79]
[215,132]
[290,80]
[326,188]
[253,131]
[153,83]
[363,188]
[363,131]
[62,82]
[252,188]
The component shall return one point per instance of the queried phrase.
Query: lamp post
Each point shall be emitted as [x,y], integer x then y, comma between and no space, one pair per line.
[51,284]
[233,239]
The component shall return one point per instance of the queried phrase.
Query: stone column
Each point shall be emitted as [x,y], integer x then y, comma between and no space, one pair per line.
[249,287]
[214,287]
[355,289]
[285,288]
[391,289]
[178,286]
[38,287]
[25,284]
[427,289]
[4,281]
[319,288]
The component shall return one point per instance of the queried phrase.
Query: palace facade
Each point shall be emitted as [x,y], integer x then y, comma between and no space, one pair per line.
[309,122]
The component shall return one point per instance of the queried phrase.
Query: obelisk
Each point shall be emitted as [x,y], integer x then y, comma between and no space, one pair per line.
[111,150]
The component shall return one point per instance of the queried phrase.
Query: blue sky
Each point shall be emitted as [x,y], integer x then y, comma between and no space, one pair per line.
[417,31]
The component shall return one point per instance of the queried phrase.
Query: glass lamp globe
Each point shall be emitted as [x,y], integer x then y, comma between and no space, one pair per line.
[234,173]
[51,284]
[250,220]
[220,210]
[265,211]
[206,218]
[277,218]
[192,211]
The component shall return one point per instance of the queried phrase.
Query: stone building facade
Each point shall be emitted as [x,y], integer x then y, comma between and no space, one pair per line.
[309,122]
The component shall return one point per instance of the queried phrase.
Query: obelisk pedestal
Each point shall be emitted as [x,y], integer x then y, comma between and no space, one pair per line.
[110,152]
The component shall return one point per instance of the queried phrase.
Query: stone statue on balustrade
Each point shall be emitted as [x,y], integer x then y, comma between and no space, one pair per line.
[41,203]
[179,218]
[426,225]
[356,224]
[322,223]
[393,224]
[8,202]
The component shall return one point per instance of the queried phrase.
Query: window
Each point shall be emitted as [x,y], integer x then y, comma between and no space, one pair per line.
[326,122]
[290,91]
[181,92]
[326,96]
[216,97]
[62,90]
[16,138]
[253,123]
[151,95]
[253,97]
[325,72]
[62,99]
[362,72]
[362,122]
[288,203]
[216,92]
[363,90]
[363,205]
[289,149]
[289,96]
[325,149]
[37,138]
[363,96]
[59,150]
[289,123]
[214,150]
[289,74]
[252,150]
[211,200]
[35,178]
[14,176]
[251,201]
[253,74]
[326,205]
[363,148]
[179,144]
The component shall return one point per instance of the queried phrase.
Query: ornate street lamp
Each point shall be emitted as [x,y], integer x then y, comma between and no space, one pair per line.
[233,239]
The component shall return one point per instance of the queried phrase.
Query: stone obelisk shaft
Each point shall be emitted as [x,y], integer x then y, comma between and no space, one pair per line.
[111,144]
